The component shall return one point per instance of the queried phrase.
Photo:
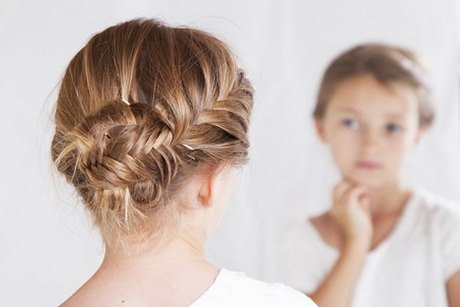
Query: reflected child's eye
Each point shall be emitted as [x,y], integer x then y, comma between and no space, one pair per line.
[393,128]
[350,123]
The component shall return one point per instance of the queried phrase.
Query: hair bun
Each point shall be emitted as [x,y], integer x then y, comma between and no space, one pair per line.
[187,105]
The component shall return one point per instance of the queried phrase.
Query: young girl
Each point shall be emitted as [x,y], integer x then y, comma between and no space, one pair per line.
[151,122]
[381,243]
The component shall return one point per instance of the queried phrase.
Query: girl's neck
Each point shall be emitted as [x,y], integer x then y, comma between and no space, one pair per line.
[155,275]
[389,199]
[180,250]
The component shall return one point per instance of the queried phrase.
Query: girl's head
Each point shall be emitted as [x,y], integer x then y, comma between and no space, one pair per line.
[145,111]
[372,107]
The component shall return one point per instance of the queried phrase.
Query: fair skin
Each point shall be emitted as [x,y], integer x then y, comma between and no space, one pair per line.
[161,274]
[371,128]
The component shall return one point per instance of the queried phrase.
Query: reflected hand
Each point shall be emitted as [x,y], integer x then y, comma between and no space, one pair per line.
[351,212]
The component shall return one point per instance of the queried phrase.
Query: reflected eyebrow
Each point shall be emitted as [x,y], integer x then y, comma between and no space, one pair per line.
[356,111]
[394,115]
[348,109]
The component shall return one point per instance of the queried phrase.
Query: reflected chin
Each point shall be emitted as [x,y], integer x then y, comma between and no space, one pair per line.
[370,180]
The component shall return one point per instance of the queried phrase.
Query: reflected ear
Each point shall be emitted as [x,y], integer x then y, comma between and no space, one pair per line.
[420,133]
[319,127]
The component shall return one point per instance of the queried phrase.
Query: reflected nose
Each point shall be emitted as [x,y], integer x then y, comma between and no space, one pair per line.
[371,141]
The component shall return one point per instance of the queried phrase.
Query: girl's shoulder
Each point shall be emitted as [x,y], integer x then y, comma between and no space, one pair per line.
[236,289]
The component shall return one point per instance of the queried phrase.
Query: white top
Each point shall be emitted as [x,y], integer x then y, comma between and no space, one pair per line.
[231,289]
[409,268]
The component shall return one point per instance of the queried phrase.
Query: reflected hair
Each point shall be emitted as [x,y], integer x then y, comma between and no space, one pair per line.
[387,64]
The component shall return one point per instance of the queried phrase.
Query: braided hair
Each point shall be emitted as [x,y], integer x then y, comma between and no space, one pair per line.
[141,108]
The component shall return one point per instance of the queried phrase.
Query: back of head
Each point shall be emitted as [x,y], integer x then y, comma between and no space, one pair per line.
[387,64]
[143,107]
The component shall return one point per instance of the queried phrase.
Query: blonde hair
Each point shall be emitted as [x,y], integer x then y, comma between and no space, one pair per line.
[387,64]
[141,108]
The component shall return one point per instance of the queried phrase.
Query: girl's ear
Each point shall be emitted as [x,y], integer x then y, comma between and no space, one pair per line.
[206,189]
[319,127]
[208,185]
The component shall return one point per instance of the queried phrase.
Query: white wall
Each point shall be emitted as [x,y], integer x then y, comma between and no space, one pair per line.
[47,245]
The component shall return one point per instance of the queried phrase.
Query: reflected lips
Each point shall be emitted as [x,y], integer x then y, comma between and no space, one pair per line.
[367,165]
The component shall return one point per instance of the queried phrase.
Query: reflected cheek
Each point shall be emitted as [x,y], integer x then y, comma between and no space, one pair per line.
[344,151]
[396,158]
[397,151]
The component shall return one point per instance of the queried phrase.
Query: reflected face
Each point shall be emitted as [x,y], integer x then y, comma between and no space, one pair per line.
[370,128]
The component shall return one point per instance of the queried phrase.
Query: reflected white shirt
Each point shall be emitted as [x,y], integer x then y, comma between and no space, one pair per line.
[409,268]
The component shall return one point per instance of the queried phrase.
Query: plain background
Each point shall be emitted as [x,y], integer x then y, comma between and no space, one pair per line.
[48,247]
